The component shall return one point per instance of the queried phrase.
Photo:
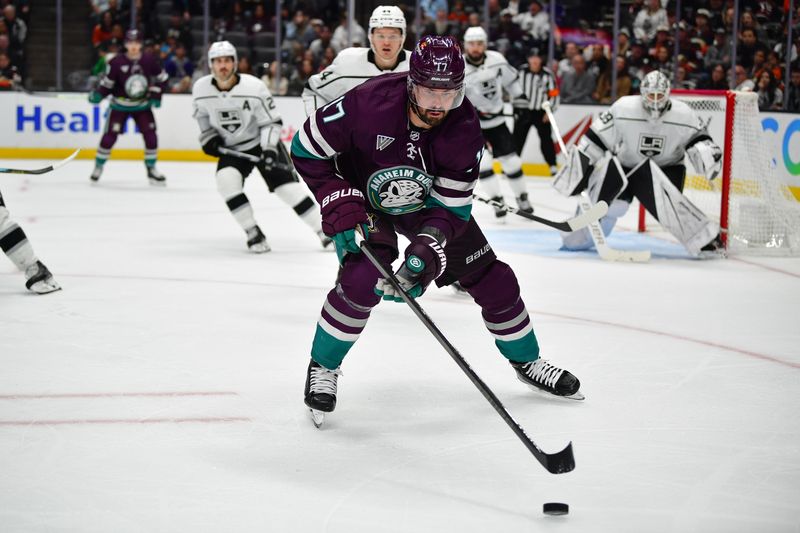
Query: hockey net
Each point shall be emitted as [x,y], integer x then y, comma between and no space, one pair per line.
[758,214]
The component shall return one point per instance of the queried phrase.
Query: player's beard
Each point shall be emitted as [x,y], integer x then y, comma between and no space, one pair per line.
[424,115]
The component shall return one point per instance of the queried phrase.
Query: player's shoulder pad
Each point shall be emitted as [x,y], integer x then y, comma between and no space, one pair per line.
[460,141]
[350,56]
[494,58]
[681,113]
[202,87]
[250,83]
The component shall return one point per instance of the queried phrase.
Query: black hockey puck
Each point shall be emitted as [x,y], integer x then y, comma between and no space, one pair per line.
[555,508]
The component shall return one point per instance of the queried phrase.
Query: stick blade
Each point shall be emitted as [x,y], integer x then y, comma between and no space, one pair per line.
[561,462]
[593,214]
[67,160]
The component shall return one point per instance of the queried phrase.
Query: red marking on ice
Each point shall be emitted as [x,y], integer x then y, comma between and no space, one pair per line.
[114,395]
[200,420]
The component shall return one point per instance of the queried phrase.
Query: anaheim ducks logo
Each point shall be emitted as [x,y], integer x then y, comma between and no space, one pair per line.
[398,190]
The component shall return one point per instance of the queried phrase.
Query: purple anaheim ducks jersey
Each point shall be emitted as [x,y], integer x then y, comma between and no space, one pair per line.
[132,82]
[422,177]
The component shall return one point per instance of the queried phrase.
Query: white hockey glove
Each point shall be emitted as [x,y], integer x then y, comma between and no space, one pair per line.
[706,157]
[270,137]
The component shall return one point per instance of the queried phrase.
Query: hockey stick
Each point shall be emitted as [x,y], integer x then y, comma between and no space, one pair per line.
[605,251]
[555,463]
[41,170]
[590,215]
[254,159]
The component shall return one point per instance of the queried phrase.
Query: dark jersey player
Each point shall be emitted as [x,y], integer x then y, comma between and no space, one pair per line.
[135,82]
[401,154]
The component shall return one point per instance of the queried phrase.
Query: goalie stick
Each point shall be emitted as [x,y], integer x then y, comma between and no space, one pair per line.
[606,252]
[40,170]
[555,463]
[254,159]
[590,215]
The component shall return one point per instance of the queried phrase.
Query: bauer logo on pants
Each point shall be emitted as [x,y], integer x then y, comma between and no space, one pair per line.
[229,119]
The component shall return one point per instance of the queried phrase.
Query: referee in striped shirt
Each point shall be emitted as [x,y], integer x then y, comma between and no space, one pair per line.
[539,85]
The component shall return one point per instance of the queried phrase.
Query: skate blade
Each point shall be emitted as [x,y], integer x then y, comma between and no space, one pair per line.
[577,396]
[317,417]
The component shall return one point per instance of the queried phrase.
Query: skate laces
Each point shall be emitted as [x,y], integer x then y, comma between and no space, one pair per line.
[543,372]
[323,380]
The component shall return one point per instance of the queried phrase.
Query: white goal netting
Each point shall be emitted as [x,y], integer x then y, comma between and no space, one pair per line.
[761,214]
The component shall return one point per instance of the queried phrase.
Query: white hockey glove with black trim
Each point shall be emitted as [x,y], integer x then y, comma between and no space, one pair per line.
[706,158]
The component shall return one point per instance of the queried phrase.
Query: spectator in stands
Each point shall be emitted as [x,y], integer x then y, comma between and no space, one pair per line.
[624,42]
[578,85]
[743,83]
[8,73]
[759,64]
[748,21]
[299,77]
[718,81]
[459,16]
[102,30]
[299,29]
[179,68]
[17,29]
[663,62]
[180,30]
[648,20]
[429,8]
[341,35]
[702,27]
[793,102]
[536,24]
[244,66]
[278,87]
[719,53]
[508,39]
[327,58]
[770,97]
[597,62]
[442,25]
[747,48]
[98,7]
[624,83]
[318,45]
[260,20]
[681,79]
[565,64]
[236,20]
[638,64]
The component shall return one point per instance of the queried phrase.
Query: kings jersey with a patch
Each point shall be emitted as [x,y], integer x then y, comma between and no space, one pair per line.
[367,139]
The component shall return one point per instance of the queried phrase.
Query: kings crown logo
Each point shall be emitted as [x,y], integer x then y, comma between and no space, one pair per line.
[398,190]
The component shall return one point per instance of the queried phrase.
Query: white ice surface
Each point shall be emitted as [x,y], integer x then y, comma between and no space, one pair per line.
[161,390]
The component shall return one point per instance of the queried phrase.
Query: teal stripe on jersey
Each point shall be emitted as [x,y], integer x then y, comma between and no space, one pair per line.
[462,212]
[327,350]
[300,151]
[521,350]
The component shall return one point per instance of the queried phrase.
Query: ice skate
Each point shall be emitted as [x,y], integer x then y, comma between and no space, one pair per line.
[553,170]
[500,212]
[96,173]
[157,179]
[320,392]
[324,239]
[40,280]
[540,375]
[524,204]
[256,241]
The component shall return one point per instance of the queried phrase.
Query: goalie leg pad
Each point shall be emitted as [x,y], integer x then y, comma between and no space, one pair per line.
[664,200]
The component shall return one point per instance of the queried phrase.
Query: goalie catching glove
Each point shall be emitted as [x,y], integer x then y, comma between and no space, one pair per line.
[706,157]
[425,261]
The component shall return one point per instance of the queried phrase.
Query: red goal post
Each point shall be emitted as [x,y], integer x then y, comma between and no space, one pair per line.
[756,212]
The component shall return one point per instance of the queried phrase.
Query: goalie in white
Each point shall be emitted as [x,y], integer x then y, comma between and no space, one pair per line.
[16,246]
[354,66]
[637,149]
[487,75]
[237,111]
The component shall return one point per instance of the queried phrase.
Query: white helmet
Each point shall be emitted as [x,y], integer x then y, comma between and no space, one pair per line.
[387,17]
[222,49]
[475,34]
[655,93]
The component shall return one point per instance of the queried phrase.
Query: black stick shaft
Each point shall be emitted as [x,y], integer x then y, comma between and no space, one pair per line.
[557,463]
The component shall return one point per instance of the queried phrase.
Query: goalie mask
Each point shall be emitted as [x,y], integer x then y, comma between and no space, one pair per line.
[655,93]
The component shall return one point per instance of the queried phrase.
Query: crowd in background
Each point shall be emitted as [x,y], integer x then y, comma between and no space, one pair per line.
[13,33]
[314,31]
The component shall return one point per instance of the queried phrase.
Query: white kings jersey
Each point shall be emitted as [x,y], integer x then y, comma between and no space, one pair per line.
[242,116]
[485,84]
[350,68]
[629,131]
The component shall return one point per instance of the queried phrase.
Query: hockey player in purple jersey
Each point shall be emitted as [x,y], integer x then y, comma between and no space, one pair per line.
[400,154]
[135,81]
